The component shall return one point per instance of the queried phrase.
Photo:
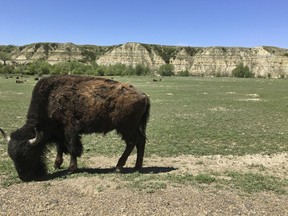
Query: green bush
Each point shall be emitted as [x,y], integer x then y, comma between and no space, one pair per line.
[7,69]
[4,56]
[184,73]
[242,71]
[142,70]
[39,67]
[166,70]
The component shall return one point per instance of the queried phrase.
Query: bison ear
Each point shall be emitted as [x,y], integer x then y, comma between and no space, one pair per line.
[37,139]
[5,135]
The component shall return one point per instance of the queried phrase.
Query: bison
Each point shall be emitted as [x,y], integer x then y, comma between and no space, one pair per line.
[65,106]
[19,81]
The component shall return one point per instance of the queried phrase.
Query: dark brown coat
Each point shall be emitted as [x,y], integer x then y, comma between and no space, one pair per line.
[63,107]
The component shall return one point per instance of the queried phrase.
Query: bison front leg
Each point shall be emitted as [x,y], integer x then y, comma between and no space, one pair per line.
[59,160]
[59,157]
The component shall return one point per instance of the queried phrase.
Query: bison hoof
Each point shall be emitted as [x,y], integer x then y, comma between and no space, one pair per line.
[57,166]
[72,169]
[58,163]
[137,169]
[118,169]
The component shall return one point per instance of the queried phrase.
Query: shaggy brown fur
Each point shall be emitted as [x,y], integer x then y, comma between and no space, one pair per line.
[63,107]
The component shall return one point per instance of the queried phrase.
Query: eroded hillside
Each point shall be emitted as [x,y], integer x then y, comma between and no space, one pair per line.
[263,61]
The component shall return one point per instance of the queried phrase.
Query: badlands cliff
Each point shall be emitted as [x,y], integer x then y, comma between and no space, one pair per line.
[263,61]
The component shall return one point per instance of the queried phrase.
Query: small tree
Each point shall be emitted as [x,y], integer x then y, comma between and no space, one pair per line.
[166,70]
[100,71]
[142,70]
[242,71]
[39,67]
[7,69]
[4,56]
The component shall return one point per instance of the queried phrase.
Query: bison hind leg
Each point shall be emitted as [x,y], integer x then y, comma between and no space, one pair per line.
[140,145]
[75,149]
[122,160]
[137,139]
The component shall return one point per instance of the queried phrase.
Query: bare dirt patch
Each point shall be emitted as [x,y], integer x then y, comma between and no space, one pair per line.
[274,165]
[102,195]
[252,97]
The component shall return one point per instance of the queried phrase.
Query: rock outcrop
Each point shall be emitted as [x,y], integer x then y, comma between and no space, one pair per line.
[131,54]
[217,61]
[262,61]
[211,61]
[53,53]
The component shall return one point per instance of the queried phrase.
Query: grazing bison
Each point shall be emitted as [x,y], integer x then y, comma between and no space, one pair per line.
[19,81]
[64,107]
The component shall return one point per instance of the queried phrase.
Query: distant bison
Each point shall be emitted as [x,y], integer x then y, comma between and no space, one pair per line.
[19,81]
[63,107]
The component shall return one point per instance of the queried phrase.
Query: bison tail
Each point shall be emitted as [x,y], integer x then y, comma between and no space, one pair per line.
[144,119]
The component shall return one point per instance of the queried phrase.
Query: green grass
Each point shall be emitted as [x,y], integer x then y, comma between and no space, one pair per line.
[216,116]
[7,169]
[198,116]
[210,116]
[250,182]
[195,116]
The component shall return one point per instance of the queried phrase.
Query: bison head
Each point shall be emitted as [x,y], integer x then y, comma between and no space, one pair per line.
[27,153]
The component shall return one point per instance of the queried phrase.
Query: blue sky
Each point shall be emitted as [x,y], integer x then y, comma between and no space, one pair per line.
[201,23]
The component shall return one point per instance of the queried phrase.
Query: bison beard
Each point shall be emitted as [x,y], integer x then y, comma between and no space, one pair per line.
[64,107]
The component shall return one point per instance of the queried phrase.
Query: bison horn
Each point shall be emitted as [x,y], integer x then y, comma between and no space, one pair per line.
[37,138]
[5,135]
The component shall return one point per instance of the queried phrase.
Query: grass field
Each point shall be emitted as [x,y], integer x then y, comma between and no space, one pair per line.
[216,116]
[189,116]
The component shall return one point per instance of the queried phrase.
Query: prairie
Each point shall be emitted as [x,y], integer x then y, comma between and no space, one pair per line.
[209,136]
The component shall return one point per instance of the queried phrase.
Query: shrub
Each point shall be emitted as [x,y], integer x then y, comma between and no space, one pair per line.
[242,71]
[39,67]
[7,69]
[184,73]
[141,70]
[166,70]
